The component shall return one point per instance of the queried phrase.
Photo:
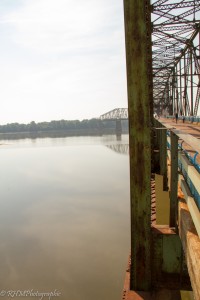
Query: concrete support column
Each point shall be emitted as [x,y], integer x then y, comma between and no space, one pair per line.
[118,127]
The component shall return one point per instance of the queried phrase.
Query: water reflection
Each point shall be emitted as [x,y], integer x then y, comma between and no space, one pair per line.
[64,217]
[63,141]
[119,148]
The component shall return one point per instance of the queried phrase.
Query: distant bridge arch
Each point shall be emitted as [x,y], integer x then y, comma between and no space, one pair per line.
[117,114]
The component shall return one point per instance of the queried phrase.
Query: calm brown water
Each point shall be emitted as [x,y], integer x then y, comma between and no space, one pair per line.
[64,217]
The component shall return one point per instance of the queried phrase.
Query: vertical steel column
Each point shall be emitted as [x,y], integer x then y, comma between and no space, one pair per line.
[168,95]
[171,111]
[137,17]
[185,85]
[191,80]
[176,89]
[180,79]
[173,93]
[174,180]
[163,157]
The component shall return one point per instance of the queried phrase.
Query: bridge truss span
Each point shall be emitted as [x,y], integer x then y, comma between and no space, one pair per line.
[176,56]
[117,113]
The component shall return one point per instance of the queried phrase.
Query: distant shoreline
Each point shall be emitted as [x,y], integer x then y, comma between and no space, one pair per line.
[58,133]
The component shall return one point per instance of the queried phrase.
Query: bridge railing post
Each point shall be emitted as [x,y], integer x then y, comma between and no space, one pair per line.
[174,180]
[163,156]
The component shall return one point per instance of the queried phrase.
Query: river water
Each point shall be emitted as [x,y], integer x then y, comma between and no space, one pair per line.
[64,217]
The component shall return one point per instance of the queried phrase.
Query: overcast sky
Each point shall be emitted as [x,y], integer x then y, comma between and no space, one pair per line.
[61,59]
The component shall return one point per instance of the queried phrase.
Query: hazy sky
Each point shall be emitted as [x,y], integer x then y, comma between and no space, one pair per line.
[61,59]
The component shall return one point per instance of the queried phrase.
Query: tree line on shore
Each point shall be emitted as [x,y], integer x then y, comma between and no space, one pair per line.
[64,125]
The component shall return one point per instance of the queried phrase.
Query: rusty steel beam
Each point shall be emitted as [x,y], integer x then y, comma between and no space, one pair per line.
[168,260]
[117,113]
[138,60]
[175,30]
[166,238]
[175,5]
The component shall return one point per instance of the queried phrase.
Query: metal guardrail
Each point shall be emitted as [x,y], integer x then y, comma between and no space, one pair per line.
[191,177]
[191,161]
[186,118]
[190,170]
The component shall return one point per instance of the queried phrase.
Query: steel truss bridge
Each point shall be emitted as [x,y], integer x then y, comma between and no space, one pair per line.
[176,56]
[163,75]
[175,37]
[115,114]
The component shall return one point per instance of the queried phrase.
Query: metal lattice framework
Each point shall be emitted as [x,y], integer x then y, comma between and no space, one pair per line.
[119,148]
[176,56]
[117,113]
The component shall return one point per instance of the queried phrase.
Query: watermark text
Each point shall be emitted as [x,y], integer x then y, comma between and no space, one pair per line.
[29,293]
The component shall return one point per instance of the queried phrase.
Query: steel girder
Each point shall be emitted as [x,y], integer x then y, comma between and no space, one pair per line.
[119,148]
[117,113]
[176,56]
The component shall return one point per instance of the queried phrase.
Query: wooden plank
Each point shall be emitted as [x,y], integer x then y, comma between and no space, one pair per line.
[168,126]
[189,139]
[192,173]
[191,246]
[186,137]
[194,211]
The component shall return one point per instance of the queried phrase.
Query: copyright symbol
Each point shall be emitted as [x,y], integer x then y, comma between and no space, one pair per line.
[2,293]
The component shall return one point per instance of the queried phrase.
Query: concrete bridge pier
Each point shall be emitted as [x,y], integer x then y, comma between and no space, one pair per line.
[118,127]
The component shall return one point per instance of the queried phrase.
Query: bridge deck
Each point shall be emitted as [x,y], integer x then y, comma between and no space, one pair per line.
[183,130]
